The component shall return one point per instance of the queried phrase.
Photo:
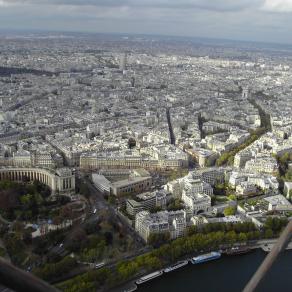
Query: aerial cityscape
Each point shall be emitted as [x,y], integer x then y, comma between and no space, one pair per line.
[134,161]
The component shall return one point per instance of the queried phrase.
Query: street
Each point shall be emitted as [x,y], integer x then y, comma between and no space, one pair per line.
[99,203]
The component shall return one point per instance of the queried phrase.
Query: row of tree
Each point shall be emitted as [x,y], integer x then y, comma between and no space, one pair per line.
[228,157]
[52,271]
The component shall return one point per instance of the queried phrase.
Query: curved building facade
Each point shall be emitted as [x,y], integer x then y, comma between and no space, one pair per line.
[59,181]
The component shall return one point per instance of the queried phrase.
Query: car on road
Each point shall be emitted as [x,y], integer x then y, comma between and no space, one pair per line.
[100,265]
[94,211]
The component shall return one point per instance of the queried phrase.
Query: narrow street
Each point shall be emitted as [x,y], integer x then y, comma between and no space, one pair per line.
[171,134]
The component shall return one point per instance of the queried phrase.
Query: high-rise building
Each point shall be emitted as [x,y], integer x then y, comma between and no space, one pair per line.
[123,62]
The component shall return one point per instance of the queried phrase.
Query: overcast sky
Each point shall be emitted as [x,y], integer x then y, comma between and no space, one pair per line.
[262,20]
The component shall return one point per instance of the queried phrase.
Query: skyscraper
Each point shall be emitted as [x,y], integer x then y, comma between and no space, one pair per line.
[123,62]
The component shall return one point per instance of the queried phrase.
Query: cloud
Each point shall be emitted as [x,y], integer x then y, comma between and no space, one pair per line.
[210,5]
[3,3]
[234,19]
[277,5]
[216,5]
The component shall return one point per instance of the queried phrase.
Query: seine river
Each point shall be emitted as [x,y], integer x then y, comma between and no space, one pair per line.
[228,274]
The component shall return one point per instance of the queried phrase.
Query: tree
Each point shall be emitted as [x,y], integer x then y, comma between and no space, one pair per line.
[275,224]
[284,158]
[18,227]
[268,233]
[231,237]
[242,237]
[91,227]
[288,175]
[192,230]
[26,199]
[84,190]
[152,262]
[229,211]
[127,269]
[108,238]
[131,143]
[230,160]
[66,212]
[55,270]
[156,239]
[15,247]
[232,197]
[77,237]
[290,194]
[175,204]
[222,159]
[8,200]
[57,220]
[112,199]
[27,238]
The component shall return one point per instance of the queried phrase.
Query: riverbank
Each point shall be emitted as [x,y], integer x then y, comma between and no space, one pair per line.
[211,237]
[263,246]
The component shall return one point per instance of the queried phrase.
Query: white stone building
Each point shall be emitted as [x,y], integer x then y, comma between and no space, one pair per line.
[173,223]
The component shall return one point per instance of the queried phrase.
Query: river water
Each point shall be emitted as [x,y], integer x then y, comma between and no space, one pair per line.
[227,274]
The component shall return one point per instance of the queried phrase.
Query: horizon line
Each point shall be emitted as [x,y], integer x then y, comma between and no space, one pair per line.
[127,34]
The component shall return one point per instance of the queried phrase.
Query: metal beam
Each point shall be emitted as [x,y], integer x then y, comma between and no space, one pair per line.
[19,280]
[279,246]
